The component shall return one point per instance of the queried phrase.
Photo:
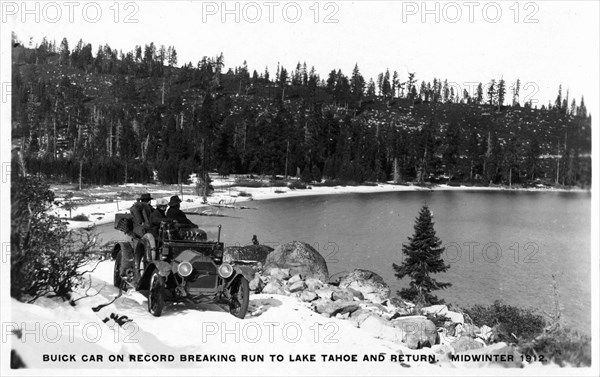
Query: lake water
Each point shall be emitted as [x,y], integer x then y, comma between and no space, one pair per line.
[500,245]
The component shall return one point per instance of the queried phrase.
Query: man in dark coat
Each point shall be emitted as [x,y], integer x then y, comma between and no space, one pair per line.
[158,215]
[175,213]
[141,211]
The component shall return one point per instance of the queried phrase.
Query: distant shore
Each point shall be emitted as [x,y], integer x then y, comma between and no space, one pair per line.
[100,204]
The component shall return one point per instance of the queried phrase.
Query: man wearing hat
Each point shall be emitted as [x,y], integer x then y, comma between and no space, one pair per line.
[175,213]
[141,211]
[158,215]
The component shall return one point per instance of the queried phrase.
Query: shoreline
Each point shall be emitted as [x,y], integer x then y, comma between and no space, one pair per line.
[104,212]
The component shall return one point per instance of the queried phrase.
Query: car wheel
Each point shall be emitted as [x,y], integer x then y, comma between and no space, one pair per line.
[117,280]
[156,295]
[239,294]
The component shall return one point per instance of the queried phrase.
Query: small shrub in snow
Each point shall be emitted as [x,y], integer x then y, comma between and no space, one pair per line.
[46,258]
[80,217]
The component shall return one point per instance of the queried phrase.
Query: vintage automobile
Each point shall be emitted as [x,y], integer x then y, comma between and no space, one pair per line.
[178,263]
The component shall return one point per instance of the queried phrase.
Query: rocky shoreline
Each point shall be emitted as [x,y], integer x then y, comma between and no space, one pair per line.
[434,333]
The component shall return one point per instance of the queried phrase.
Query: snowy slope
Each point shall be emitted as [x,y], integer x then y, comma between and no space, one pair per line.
[275,325]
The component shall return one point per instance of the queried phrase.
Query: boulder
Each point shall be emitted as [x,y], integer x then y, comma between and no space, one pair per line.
[273,288]
[371,285]
[359,316]
[446,337]
[331,308]
[418,330]
[296,287]
[486,333]
[308,296]
[342,294]
[466,329]
[455,317]
[256,284]
[312,284]
[279,273]
[325,292]
[357,294]
[294,279]
[257,253]
[299,258]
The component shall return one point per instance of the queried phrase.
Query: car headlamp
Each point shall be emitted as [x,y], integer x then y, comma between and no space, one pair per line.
[225,270]
[184,269]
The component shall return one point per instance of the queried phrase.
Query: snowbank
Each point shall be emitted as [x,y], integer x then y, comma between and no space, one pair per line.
[281,335]
[215,341]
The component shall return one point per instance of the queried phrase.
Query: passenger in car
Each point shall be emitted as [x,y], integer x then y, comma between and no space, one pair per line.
[141,211]
[175,213]
[158,215]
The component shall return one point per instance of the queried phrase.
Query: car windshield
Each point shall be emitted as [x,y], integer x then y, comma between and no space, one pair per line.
[212,232]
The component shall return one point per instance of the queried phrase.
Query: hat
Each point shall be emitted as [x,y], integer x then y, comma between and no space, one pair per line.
[174,200]
[145,197]
[162,202]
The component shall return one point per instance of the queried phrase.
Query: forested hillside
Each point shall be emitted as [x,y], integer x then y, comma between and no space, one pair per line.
[118,116]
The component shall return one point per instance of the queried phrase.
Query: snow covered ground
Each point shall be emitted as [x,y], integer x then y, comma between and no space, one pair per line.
[281,335]
[216,342]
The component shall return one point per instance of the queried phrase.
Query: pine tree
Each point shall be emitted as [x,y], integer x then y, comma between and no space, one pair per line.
[371,88]
[479,98]
[357,83]
[491,92]
[423,253]
[501,93]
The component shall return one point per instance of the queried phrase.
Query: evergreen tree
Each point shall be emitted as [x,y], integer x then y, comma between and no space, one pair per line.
[412,91]
[516,89]
[386,87]
[501,92]
[558,102]
[479,98]
[64,52]
[395,83]
[357,83]
[371,88]
[423,254]
[491,92]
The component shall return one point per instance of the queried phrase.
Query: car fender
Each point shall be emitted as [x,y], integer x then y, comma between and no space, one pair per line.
[164,269]
[247,271]
[238,273]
